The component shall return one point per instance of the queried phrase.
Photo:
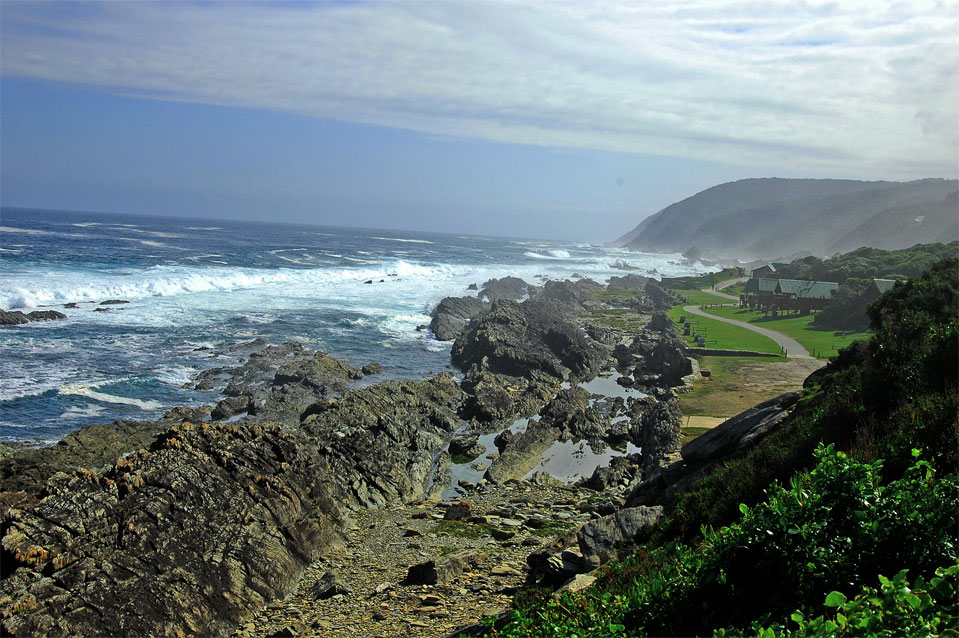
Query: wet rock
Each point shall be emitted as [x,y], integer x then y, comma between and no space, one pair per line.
[12,318]
[511,288]
[503,439]
[523,453]
[371,368]
[113,302]
[452,315]
[229,407]
[466,447]
[15,317]
[72,304]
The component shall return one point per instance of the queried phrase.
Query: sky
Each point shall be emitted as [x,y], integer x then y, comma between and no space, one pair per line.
[558,120]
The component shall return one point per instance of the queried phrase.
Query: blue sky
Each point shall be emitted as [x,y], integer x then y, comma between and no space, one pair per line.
[555,120]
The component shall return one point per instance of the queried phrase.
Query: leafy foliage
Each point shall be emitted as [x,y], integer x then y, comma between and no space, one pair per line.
[827,531]
[864,264]
[895,609]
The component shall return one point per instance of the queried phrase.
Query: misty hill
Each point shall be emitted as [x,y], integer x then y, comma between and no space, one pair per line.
[776,218]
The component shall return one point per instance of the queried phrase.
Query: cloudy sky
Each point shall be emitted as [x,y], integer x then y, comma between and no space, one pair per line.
[568,120]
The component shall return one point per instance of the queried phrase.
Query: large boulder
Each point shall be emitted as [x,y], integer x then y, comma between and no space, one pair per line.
[452,314]
[741,432]
[538,336]
[511,288]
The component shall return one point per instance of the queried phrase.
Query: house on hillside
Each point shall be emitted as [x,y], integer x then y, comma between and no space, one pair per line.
[804,296]
[767,270]
[878,287]
[759,293]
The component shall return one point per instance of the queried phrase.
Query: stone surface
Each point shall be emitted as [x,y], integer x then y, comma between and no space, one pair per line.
[452,315]
[742,431]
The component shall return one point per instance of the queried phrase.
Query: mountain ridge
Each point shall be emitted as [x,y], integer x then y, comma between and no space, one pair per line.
[760,218]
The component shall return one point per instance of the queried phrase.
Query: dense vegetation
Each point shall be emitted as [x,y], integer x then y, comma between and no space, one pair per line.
[865,264]
[844,522]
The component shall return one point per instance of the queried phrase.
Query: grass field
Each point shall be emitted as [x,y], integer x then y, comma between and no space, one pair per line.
[821,343]
[738,383]
[726,337]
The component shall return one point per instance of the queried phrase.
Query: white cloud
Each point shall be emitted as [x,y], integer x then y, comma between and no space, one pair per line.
[853,88]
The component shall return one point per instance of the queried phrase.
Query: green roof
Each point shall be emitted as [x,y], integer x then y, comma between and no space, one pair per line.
[759,284]
[807,289]
[884,284]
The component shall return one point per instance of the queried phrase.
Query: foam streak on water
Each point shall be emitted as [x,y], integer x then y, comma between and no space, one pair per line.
[192,286]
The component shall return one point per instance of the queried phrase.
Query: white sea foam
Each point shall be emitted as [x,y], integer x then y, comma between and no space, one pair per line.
[203,228]
[552,254]
[90,393]
[82,412]
[406,241]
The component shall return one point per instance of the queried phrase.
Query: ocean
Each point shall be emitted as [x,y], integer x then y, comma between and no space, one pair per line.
[198,286]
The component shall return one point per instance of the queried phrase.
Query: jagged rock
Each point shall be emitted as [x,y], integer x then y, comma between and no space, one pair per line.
[230,406]
[12,318]
[190,536]
[323,374]
[578,292]
[45,315]
[380,439]
[328,586]
[510,288]
[620,468]
[742,431]
[444,570]
[599,537]
[660,322]
[113,302]
[93,446]
[16,317]
[503,439]
[371,368]
[538,341]
[659,298]
[453,314]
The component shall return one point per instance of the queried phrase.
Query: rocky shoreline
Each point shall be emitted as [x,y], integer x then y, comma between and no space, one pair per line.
[241,518]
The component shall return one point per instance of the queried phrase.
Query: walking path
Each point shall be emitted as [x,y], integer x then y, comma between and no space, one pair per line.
[792,347]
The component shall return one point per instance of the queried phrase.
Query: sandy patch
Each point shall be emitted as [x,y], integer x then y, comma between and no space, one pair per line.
[702,421]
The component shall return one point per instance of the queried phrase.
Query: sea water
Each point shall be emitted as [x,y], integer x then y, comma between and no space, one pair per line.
[195,287]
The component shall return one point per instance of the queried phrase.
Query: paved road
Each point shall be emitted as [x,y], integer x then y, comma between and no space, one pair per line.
[726,284]
[790,345]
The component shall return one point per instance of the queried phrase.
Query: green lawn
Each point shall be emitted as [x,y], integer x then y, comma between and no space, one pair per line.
[822,343]
[726,337]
